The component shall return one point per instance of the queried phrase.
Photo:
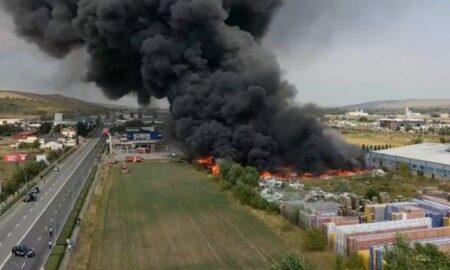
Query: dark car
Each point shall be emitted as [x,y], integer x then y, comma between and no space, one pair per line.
[35,190]
[23,251]
[29,198]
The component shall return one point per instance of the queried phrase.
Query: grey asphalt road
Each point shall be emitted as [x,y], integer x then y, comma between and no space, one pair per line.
[29,223]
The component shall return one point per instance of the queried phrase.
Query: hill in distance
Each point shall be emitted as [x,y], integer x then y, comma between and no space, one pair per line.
[29,105]
[400,104]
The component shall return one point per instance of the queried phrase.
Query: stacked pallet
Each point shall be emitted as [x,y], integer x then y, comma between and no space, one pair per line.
[341,233]
[364,242]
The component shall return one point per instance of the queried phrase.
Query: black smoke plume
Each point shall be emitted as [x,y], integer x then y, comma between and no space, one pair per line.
[226,92]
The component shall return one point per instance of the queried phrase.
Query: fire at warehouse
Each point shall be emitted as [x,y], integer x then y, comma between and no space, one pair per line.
[226,92]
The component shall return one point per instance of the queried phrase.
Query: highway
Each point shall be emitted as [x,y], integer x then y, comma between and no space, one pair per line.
[28,223]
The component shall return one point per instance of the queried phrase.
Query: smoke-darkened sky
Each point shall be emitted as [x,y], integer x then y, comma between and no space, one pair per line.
[334,52]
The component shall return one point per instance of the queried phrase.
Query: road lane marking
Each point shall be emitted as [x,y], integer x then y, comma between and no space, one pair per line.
[59,206]
[50,188]
[45,229]
[83,157]
[31,209]
[46,193]
[17,225]
[56,212]
[24,217]
[39,239]
[64,199]
[9,234]
[51,219]
[23,265]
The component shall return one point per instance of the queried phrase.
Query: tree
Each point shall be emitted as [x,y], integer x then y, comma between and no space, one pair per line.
[292,261]
[403,255]
[371,192]
[234,173]
[245,194]
[404,170]
[363,119]
[9,130]
[45,128]
[315,240]
[36,144]
[82,129]
[249,176]
[343,186]
[58,128]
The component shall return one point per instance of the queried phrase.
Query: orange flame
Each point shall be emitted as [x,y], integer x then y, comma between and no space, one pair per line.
[215,170]
[286,174]
[208,162]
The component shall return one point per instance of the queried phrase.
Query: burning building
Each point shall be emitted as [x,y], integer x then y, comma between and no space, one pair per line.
[226,92]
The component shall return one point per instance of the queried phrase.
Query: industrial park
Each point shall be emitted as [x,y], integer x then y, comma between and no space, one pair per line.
[224,134]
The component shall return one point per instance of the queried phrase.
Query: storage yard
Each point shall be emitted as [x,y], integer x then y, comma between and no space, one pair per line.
[355,225]
[169,216]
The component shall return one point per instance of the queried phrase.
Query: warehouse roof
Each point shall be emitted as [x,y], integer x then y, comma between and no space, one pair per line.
[431,152]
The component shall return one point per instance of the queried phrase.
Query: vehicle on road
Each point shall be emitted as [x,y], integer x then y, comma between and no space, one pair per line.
[23,251]
[35,190]
[56,169]
[30,198]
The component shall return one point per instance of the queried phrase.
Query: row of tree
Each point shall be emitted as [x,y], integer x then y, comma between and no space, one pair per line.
[243,183]
[27,173]
[24,174]
[9,130]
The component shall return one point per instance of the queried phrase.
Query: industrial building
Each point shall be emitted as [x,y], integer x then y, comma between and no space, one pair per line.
[398,123]
[428,159]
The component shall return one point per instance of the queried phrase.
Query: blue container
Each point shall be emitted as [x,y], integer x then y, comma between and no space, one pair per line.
[372,258]
[379,253]
[437,219]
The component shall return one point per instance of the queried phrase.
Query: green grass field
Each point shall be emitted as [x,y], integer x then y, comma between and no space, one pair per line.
[6,170]
[170,216]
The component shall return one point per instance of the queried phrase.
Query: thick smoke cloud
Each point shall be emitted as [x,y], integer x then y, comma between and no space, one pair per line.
[226,92]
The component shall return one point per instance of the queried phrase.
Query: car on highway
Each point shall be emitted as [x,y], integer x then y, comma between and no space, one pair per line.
[30,198]
[56,169]
[23,251]
[35,190]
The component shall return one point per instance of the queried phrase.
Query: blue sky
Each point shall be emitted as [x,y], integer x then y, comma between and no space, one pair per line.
[336,52]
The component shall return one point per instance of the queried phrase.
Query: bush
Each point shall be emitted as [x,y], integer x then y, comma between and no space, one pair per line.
[371,192]
[244,194]
[235,172]
[315,240]
[292,261]
[339,263]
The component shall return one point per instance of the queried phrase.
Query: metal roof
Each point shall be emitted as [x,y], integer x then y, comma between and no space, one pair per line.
[430,152]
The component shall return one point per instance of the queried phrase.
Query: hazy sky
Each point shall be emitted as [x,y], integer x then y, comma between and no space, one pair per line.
[336,52]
